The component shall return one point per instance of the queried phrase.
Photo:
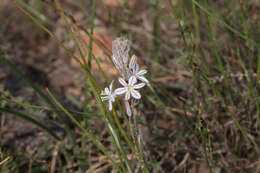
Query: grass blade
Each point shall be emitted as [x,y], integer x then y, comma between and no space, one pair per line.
[31,120]
[95,141]
[24,105]
[36,89]
[230,28]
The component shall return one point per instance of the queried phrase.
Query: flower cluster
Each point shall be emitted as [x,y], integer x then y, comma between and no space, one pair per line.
[130,75]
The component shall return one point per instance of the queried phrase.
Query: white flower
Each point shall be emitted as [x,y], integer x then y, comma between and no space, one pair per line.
[134,68]
[109,95]
[130,88]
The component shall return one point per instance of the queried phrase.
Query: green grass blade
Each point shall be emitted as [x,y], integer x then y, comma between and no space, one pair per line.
[124,134]
[34,12]
[179,23]
[47,31]
[196,22]
[154,5]
[96,95]
[88,73]
[111,127]
[95,141]
[92,25]
[28,81]
[31,120]
[230,28]
[52,109]
[36,89]
[71,33]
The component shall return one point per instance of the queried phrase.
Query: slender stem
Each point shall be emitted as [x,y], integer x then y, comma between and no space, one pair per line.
[134,134]
[95,141]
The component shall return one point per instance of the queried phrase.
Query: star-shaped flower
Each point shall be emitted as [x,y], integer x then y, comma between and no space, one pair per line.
[109,95]
[130,88]
[134,69]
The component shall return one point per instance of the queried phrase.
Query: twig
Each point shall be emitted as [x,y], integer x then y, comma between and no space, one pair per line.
[54,158]
[5,160]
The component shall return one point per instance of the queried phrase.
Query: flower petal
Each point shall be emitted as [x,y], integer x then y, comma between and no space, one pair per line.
[122,81]
[143,79]
[117,62]
[138,86]
[141,72]
[135,94]
[125,58]
[128,108]
[120,91]
[132,62]
[106,91]
[127,95]
[132,80]
[112,97]
[110,105]
[105,97]
[111,86]
[136,68]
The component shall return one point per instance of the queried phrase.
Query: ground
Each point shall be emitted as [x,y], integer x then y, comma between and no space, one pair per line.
[189,119]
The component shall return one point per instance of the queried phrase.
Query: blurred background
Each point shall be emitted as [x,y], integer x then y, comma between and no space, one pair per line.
[203,62]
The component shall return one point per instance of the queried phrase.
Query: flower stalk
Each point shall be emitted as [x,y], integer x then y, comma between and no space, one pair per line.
[131,79]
